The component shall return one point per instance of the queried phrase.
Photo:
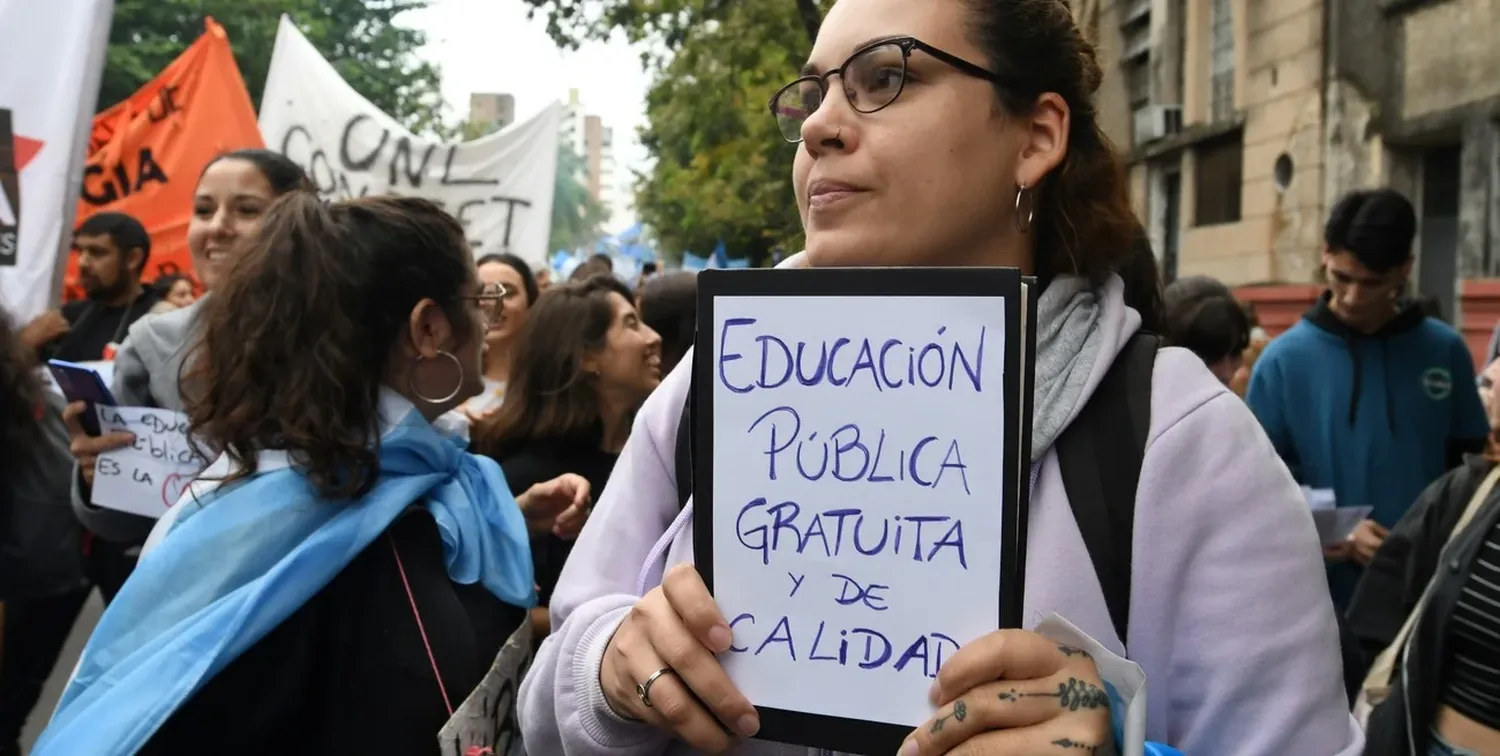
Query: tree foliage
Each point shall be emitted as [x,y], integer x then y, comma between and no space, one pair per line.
[720,167]
[359,37]
[669,22]
[577,218]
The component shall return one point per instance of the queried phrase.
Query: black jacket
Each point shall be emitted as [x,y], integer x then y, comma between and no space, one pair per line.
[41,542]
[541,461]
[1413,554]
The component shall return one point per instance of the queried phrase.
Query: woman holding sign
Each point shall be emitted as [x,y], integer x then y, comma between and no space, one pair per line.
[963,133]
[233,193]
[344,576]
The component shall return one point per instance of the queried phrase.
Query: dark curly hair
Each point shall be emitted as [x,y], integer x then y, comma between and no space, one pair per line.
[20,397]
[295,345]
[547,396]
[1083,220]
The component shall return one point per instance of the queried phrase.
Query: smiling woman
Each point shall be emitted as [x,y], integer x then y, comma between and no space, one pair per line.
[583,362]
[233,193]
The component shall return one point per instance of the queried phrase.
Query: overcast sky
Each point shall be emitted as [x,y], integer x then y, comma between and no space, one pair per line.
[490,46]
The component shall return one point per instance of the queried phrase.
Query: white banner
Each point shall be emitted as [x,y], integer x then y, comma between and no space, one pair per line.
[500,186]
[51,59]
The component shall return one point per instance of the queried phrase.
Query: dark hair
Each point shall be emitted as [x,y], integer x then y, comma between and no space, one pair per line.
[1431,307]
[124,230]
[20,398]
[1082,217]
[604,260]
[165,284]
[528,279]
[669,305]
[1204,317]
[590,268]
[296,343]
[547,396]
[281,173]
[1142,279]
[1377,226]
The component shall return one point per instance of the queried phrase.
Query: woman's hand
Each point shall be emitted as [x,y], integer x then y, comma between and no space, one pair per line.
[1016,693]
[559,506]
[675,630]
[86,449]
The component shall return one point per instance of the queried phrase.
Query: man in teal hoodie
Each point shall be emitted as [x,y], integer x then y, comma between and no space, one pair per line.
[1366,395]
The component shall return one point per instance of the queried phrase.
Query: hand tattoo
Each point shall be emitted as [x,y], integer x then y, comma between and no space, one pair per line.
[1070,652]
[1074,694]
[1073,745]
[960,710]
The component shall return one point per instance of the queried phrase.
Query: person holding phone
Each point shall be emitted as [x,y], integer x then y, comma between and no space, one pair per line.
[233,193]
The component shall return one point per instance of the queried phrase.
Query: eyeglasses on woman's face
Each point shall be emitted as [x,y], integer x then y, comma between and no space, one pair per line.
[873,77]
[491,301]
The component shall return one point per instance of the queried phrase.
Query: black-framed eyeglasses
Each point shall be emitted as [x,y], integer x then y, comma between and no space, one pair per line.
[491,300]
[873,78]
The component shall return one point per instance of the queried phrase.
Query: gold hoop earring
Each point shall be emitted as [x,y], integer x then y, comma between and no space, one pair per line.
[1030,210]
[411,379]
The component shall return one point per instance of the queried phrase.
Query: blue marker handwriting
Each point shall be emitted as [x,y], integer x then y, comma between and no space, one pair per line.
[887,364]
[871,648]
[846,454]
[786,528]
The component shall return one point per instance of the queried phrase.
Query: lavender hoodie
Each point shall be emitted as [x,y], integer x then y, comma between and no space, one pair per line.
[1231,618]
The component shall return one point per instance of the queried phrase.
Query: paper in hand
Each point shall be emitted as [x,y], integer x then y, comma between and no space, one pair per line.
[147,477]
[1336,525]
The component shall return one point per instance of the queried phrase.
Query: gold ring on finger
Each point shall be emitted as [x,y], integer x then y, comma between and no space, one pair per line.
[643,690]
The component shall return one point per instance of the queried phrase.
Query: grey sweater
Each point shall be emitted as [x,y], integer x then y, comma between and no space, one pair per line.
[147,368]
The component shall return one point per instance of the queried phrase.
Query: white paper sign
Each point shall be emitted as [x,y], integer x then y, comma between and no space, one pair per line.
[147,477]
[858,483]
[500,187]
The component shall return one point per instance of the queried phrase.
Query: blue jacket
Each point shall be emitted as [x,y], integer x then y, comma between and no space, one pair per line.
[1375,417]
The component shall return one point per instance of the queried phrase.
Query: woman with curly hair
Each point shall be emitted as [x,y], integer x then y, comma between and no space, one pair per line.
[229,204]
[343,575]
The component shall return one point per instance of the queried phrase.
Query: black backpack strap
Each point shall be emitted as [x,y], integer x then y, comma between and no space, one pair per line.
[685,450]
[1100,454]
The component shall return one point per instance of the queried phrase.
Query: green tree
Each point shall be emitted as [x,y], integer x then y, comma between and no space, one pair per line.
[670,22]
[577,218]
[720,167]
[359,37]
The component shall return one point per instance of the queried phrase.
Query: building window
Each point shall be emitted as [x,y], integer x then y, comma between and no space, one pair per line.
[1138,83]
[1218,180]
[1221,68]
[1135,63]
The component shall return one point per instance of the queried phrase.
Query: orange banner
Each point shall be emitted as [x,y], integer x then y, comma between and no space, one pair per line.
[145,153]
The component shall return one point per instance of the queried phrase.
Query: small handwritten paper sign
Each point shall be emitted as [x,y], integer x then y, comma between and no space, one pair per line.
[856,478]
[147,477]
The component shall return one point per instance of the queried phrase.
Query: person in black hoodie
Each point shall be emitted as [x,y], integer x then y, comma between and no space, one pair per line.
[1366,395]
[582,365]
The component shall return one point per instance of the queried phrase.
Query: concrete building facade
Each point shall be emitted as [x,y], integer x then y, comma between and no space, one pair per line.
[1242,121]
[594,141]
[491,112]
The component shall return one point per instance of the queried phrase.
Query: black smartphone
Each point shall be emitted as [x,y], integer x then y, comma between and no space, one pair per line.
[80,383]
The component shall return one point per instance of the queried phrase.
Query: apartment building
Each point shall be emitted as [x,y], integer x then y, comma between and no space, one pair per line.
[490,112]
[1242,121]
[593,141]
